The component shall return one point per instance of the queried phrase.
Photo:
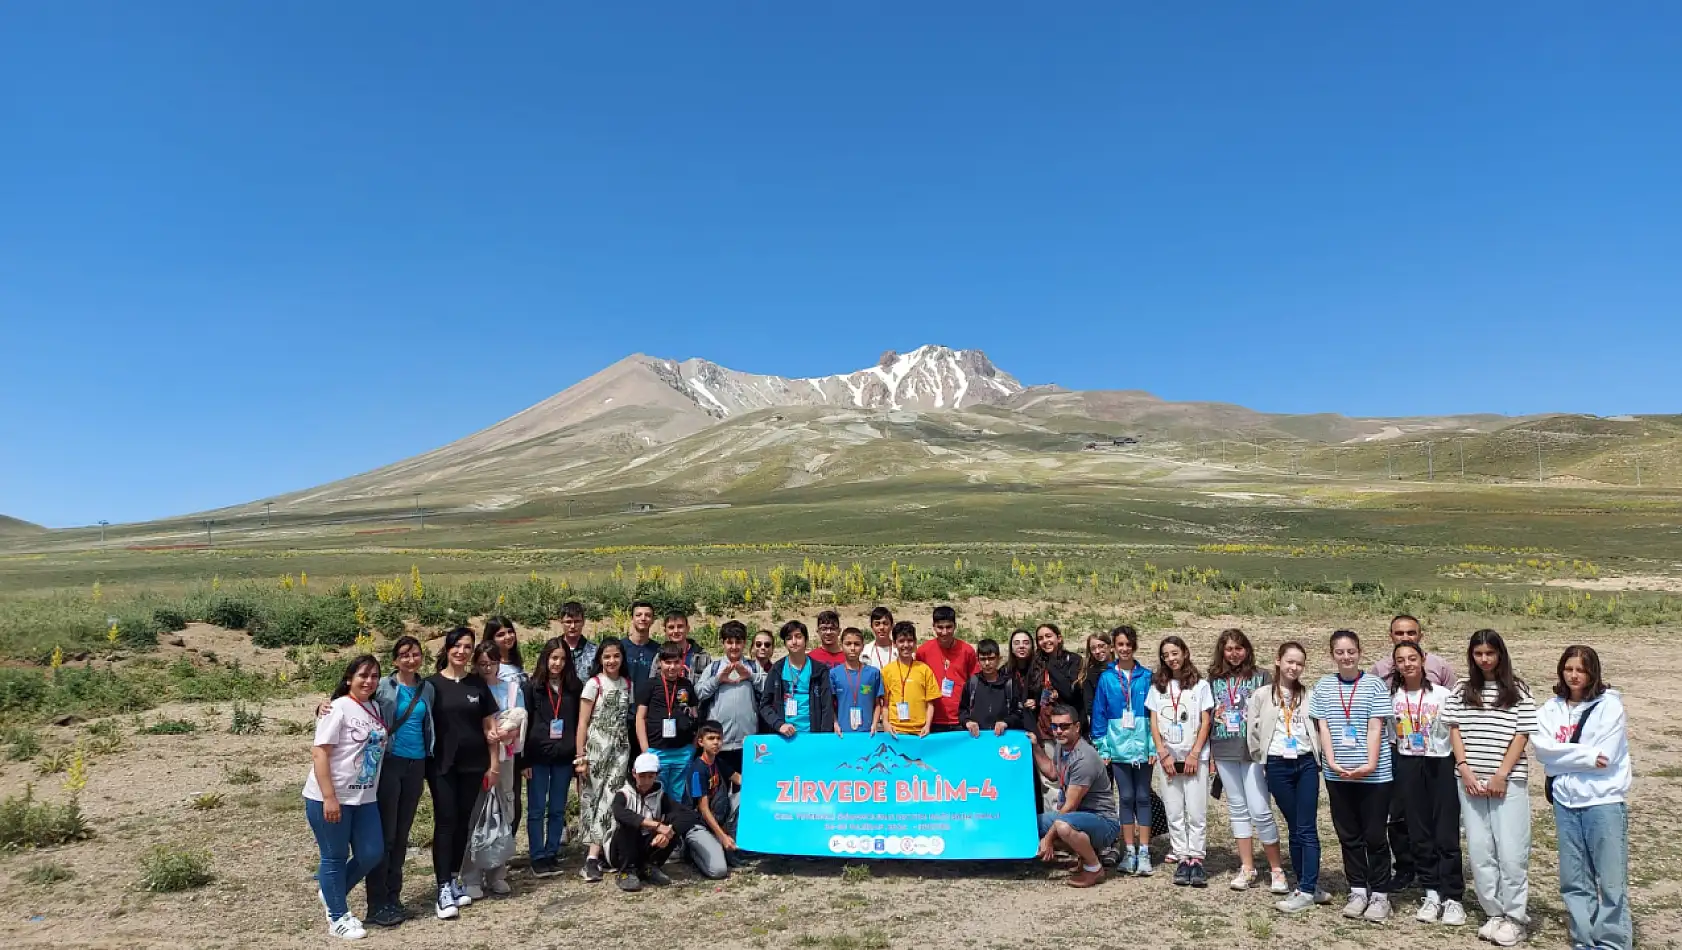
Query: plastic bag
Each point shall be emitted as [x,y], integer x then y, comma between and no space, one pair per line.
[491,842]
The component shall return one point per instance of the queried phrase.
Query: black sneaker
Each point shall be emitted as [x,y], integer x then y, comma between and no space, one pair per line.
[592,872]
[1199,877]
[388,916]
[1109,857]
[656,877]
[629,882]
[1182,874]
[545,867]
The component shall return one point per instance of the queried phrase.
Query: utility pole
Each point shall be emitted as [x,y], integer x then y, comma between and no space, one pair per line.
[420,515]
[1335,468]
[1389,462]
[1461,449]
[267,505]
[1223,451]
[1538,459]
[209,541]
[1430,463]
[1637,480]
[102,524]
[1258,454]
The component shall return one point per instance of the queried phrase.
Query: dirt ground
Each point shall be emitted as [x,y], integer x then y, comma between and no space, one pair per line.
[263,893]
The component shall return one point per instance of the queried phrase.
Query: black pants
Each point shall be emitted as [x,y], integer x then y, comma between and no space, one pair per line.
[1429,794]
[453,795]
[946,727]
[1401,843]
[729,763]
[1360,811]
[632,849]
[401,781]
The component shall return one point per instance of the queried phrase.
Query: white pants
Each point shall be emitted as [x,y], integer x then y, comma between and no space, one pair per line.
[1498,844]
[1186,798]
[1247,805]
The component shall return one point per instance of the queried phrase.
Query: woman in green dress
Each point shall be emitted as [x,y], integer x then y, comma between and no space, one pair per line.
[604,749]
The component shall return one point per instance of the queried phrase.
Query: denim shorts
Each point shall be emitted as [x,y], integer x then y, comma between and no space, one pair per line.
[1102,829]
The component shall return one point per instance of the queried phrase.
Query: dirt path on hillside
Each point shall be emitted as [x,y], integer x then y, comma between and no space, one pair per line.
[263,894]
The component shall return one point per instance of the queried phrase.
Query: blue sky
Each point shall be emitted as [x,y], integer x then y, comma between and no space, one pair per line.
[247,248]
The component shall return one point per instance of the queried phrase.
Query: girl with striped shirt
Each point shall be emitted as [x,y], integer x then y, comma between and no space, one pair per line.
[1351,710]
[1491,716]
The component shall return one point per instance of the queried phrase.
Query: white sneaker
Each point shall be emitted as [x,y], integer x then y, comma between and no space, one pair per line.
[1454,915]
[1279,885]
[1356,907]
[347,928]
[1378,909]
[1487,931]
[1428,911]
[1508,934]
[465,894]
[1321,897]
[1296,903]
[1243,879]
[446,905]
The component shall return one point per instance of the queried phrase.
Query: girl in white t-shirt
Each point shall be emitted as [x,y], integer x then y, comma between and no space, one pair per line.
[341,792]
[1425,785]
[1180,705]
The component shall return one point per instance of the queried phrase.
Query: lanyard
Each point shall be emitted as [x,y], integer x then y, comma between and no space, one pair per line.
[1234,696]
[555,702]
[1174,695]
[669,688]
[1348,702]
[1290,712]
[1127,682]
[1413,713]
[903,679]
[1063,769]
[854,683]
[794,684]
[374,711]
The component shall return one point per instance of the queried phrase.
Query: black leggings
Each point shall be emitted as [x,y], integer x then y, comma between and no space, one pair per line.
[399,796]
[453,795]
[1360,811]
[1430,796]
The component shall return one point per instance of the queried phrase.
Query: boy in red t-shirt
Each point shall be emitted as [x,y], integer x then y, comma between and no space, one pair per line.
[953,662]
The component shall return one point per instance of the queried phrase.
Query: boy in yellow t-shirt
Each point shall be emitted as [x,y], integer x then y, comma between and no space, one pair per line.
[910,685]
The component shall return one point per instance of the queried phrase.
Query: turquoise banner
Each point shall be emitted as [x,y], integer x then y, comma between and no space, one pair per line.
[947,796]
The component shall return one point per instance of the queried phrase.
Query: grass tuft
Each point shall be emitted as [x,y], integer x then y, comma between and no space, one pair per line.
[166,870]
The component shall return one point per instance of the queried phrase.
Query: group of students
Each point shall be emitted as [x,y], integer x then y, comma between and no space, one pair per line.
[653,735]
[1411,756]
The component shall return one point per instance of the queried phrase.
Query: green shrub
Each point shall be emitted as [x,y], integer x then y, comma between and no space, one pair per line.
[22,745]
[244,775]
[312,620]
[170,727]
[234,613]
[246,721]
[27,823]
[44,874]
[164,869]
[169,619]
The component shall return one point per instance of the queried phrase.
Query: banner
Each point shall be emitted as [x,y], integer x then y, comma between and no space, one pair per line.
[947,796]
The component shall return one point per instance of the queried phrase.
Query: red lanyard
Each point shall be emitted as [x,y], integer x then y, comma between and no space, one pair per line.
[1174,698]
[373,711]
[670,689]
[1234,697]
[1348,702]
[555,702]
[854,683]
[1414,714]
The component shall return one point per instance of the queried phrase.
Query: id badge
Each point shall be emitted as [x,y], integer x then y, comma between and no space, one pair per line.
[557,728]
[946,689]
[791,707]
[903,711]
[1416,743]
[1233,720]
[1291,747]
[1348,738]
[668,728]
[1127,719]
[855,717]
[1176,733]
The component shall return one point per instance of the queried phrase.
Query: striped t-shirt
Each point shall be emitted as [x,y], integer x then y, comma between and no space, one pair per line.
[1346,709]
[1487,732]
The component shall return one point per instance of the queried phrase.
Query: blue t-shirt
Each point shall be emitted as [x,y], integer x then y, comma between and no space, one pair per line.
[703,779]
[859,691]
[1347,709]
[410,741]
[797,685]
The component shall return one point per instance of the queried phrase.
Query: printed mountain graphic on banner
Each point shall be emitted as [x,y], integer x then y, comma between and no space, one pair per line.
[885,759]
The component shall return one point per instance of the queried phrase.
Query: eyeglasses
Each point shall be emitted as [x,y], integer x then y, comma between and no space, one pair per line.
[1062,726]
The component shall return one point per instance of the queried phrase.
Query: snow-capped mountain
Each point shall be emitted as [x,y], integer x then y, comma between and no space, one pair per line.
[929,377]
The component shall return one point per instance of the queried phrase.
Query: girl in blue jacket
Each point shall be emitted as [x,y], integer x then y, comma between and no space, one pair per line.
[1122,733]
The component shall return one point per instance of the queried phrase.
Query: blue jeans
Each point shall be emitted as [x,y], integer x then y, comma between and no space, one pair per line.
[1594,874]
[350,847]
[672,764]
[1133,791]
[1295,787]
[1101,829]
[546,809]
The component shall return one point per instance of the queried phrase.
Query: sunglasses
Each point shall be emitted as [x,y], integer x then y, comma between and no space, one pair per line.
[1062,726]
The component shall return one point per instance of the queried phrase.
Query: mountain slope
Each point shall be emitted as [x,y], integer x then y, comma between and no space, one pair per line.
[17,527]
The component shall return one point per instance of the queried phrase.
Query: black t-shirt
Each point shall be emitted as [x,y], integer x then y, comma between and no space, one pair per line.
[654,693]
[702,779]
[458,723]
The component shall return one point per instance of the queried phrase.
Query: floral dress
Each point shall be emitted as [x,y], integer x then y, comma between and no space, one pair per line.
[607,748]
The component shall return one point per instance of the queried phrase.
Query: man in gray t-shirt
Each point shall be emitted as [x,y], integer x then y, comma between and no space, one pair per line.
[1086,817]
